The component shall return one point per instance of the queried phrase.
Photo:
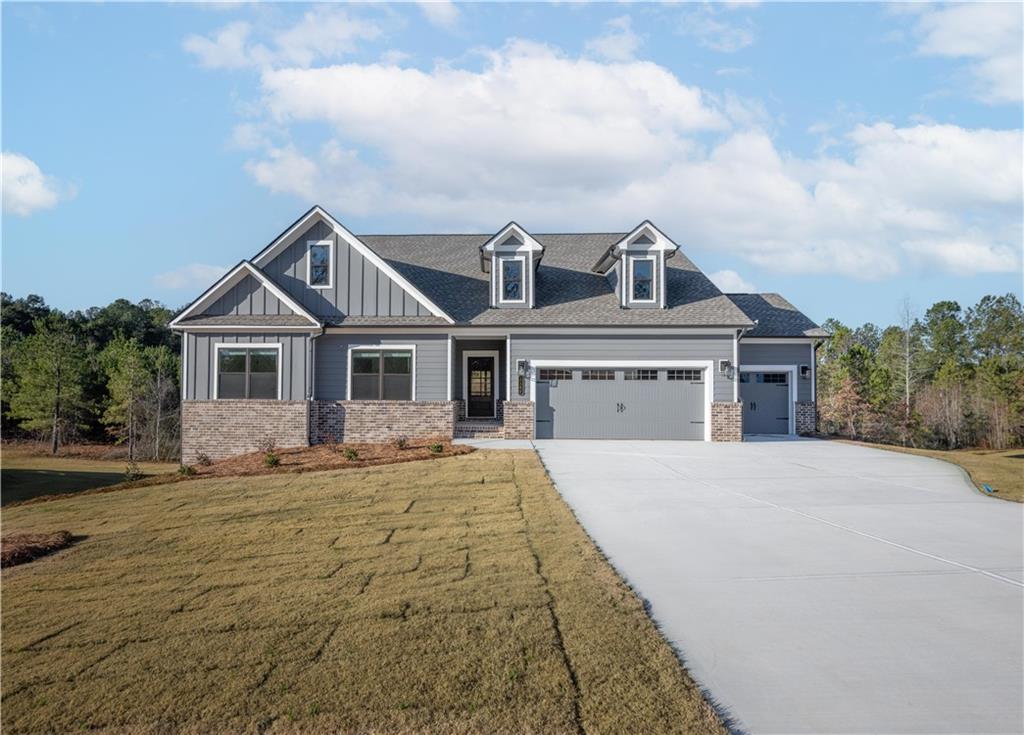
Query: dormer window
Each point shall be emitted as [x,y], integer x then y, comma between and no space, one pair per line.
[511,286]
[642,278]
[320,263]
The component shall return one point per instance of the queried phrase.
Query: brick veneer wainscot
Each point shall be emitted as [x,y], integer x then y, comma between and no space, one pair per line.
[224,428]
[806,417]
[727,421]
[518,419]
[381,421]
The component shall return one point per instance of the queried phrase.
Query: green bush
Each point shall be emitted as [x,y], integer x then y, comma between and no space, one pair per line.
[351,454]
[187,470]
[270,459]
[436,448]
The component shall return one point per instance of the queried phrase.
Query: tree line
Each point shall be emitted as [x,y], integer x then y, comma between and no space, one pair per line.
[106,373]
[948,379]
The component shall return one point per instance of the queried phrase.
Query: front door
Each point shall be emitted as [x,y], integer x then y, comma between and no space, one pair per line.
[480,387]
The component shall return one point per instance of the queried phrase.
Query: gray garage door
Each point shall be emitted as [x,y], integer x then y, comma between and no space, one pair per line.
[765,402]
[574,403]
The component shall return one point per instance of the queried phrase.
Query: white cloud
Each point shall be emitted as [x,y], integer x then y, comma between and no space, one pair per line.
[965,257]
[325,32]
[441,13]
[26,189]
[194,275]
[705,23]
[988,35]
[730,281]
[561,142]
[394,57]
[618,42]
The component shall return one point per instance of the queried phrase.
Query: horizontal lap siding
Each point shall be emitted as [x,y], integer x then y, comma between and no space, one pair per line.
[200,367]
[627,348]
[332,363]
[752,353]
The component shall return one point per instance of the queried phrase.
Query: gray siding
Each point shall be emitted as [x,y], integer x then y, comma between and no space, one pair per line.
[200,363]
[752,353]
[248,296]
[358,288]
[461,345]
[332,363]
[655,347]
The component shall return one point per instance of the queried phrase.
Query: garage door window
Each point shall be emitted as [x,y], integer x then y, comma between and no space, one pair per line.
[554,374]
[691,375]
[599,375]
[773,378]
[641,374]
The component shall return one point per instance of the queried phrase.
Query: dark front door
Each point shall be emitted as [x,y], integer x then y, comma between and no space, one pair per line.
[480,387]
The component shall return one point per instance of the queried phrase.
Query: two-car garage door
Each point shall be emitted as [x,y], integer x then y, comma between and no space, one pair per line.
[620,403]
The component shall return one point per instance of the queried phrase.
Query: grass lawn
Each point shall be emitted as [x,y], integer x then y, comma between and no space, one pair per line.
[448,596]
[26,475]
[1000,469]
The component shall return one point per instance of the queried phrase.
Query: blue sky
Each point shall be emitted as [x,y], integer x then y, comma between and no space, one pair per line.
[847,156]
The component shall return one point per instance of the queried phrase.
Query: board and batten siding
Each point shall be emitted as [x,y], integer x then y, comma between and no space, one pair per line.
[248,297]
[752,353]
[332,363]
[627,348]
[201,367]
[358,288]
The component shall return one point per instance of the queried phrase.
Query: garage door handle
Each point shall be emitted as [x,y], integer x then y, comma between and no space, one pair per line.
[620,408]
[753,405]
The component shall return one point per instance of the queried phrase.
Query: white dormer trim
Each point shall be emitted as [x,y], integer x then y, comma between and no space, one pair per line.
[497,243]
[228,281]
[655,279]
[287,237]
[660,242]
[523,282]
[513,241]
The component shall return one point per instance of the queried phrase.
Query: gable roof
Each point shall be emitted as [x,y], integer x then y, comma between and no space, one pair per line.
[302,223]
[775,316]
[568,292]
[192,313]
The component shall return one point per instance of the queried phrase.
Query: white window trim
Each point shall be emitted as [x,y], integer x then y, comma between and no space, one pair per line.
[654,279]
[793,371]
[706,365]
[497,379]
[244,345]
[523,285]
[355,348]
[330,263]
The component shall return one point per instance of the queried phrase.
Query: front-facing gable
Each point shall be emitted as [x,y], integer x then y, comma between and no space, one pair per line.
[511,258]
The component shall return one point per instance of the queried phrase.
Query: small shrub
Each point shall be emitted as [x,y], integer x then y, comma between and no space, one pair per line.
[401,442]
[270,459]
[436,448]
[351,454]
[203,459]
[187,470]
[132,471]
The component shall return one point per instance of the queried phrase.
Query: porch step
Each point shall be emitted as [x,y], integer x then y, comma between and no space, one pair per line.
[476,429]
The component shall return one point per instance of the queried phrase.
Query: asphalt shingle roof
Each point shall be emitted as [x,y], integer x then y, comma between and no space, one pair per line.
[775,316]
[247,320]
[446,268]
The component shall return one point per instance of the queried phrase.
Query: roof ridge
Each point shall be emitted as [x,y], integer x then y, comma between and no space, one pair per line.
[472,234]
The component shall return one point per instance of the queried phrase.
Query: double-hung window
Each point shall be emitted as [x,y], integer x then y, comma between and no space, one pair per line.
[247,372]
[511,286]
[321,255]
[382,375]
[642,278]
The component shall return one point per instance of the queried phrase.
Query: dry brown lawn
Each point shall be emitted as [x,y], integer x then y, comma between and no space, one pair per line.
[451,596]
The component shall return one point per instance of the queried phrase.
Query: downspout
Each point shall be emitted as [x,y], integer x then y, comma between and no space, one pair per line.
[311,385]
[736,362]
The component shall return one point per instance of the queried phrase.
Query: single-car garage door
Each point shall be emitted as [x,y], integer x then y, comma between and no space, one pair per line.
[765,402]
[578,403]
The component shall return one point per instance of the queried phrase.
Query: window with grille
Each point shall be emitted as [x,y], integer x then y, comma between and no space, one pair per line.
[641,374]
[643,278]
[554,374]
[319,267]
[599,375]
[247,372]
[693,375]
[381,375]
[773,378]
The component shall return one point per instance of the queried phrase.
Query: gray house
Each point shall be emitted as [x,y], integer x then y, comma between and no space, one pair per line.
[329,336]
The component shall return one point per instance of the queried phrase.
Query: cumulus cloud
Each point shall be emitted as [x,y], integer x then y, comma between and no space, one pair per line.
[325,32]
[707,24]
[730,281]
[556,141]
[986,34]
[441,13]
[618,42]
[193,275]
[26,189]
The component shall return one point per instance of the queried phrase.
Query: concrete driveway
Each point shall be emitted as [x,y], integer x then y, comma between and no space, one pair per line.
[816,586]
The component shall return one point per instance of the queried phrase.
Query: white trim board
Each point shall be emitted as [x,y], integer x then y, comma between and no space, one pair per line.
[707,365]
[379,348]
[218,346]
[523,285]
[229,280]
[310,244]
[793,371]
[655,281]
[466,354]
[269,252]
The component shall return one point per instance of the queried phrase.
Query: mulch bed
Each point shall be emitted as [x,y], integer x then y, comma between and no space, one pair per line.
[316,458]
[79,451]
[19,548]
